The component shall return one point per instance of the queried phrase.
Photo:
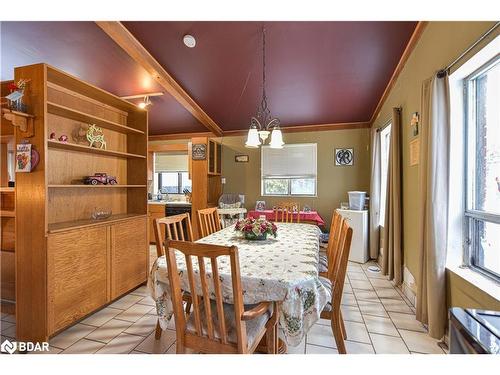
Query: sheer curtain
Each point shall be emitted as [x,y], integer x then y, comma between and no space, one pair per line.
[434,174]
[392,256]
[375,195]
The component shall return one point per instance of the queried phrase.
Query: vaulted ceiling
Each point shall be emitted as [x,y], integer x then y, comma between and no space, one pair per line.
[317,72]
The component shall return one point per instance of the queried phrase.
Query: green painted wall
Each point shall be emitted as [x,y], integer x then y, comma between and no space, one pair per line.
[333,181]
[439,45]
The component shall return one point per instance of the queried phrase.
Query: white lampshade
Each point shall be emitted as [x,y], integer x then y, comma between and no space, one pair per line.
[253,138]
[276,139]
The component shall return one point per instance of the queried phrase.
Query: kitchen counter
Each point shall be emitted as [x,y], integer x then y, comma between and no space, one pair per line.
[170,204]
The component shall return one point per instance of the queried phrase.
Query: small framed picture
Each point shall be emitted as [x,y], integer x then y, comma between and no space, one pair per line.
[199,151]
[241,158]
[344,156]
[260,206]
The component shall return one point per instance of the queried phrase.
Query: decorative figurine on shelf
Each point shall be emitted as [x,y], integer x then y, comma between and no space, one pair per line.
[63,138]
[100,179]
[79,134]
[95,135]
[16,95]
[52,136]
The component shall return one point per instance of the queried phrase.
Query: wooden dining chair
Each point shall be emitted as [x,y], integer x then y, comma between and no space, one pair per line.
[333,242]
[283,212]
[335,285]
[208,221]
[175,227]
[214,326]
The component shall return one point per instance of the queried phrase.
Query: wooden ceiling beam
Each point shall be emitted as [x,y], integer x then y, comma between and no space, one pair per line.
[124,38]
[415,37]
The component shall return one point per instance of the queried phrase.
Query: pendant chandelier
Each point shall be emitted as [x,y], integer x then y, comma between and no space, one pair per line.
[263,123]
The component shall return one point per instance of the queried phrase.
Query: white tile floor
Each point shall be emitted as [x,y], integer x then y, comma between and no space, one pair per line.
[378,319]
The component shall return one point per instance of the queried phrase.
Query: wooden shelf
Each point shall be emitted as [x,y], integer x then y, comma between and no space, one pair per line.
[23,120]
[74,114]
[5,213]
[92,150]
[69,225]
[69,186]
[7,189]
[8,250]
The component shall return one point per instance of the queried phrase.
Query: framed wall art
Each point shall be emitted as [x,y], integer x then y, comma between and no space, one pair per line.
[241,158]
[344,156]
[199,151]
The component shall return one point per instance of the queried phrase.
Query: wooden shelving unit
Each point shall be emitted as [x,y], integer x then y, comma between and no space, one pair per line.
[92,150]
[78,224]
[74,114]
[68,264]
[6,213]
[117,186]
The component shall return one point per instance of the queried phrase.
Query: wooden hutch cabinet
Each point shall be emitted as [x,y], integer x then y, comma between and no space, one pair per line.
[69,265]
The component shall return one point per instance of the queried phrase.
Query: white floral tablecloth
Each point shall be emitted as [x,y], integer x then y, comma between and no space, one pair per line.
[283,269]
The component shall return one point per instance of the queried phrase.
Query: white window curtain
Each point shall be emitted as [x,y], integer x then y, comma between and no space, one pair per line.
[434,180]
[375,184]
[168,162]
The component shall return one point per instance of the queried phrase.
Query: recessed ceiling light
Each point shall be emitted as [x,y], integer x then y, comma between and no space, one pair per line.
[189,41]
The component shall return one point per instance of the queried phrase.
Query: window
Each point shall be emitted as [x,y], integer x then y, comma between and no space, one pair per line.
[385,141]
[482,172]
[290,170]
[173,182]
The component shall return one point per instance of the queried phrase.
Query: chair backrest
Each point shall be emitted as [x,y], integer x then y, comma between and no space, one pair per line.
[340,266]
[284,212]
[332,249]
[175,227]
[208,221]
[210,327]
[230,198]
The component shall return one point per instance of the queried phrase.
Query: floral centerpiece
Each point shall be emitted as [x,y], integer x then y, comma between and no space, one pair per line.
[256,229]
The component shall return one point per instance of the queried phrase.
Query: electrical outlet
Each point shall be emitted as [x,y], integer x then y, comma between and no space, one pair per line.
[223,180]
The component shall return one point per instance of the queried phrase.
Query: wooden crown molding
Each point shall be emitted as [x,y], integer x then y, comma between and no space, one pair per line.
[124,38]
[176,136]
[287,129]
[415,37]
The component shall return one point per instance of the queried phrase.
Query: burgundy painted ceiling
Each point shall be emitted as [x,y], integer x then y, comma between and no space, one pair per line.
[84,50]
[317,72]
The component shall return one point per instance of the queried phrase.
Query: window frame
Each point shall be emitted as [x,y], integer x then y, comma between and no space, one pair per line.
[472,216]
[289,179]
[179,181]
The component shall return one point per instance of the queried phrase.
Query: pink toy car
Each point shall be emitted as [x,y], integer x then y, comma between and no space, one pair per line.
[100,178]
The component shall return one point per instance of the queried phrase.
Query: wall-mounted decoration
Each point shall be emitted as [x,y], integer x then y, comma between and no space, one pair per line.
[199,151]
[16,95]
[23,157]
[344,156]
[96,136]
[241,158]
[415,118]
[260,206]
[414,151]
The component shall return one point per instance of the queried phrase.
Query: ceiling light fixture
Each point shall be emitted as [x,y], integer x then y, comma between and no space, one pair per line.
[263,123]
[146,101]
[189,41]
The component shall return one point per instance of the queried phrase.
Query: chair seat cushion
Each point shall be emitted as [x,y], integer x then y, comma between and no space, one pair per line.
[328,286]
[254,327]
[323,263]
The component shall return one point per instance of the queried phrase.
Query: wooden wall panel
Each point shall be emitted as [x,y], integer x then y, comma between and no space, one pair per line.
[8,275]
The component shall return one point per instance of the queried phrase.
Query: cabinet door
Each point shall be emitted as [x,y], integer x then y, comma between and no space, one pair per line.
[211,156]
[219,158]
[77,275]
[129,255]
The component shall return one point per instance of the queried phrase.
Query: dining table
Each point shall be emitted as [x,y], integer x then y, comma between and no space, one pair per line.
[282,270]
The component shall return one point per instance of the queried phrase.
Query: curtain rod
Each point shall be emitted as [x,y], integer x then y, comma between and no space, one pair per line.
[447,68]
